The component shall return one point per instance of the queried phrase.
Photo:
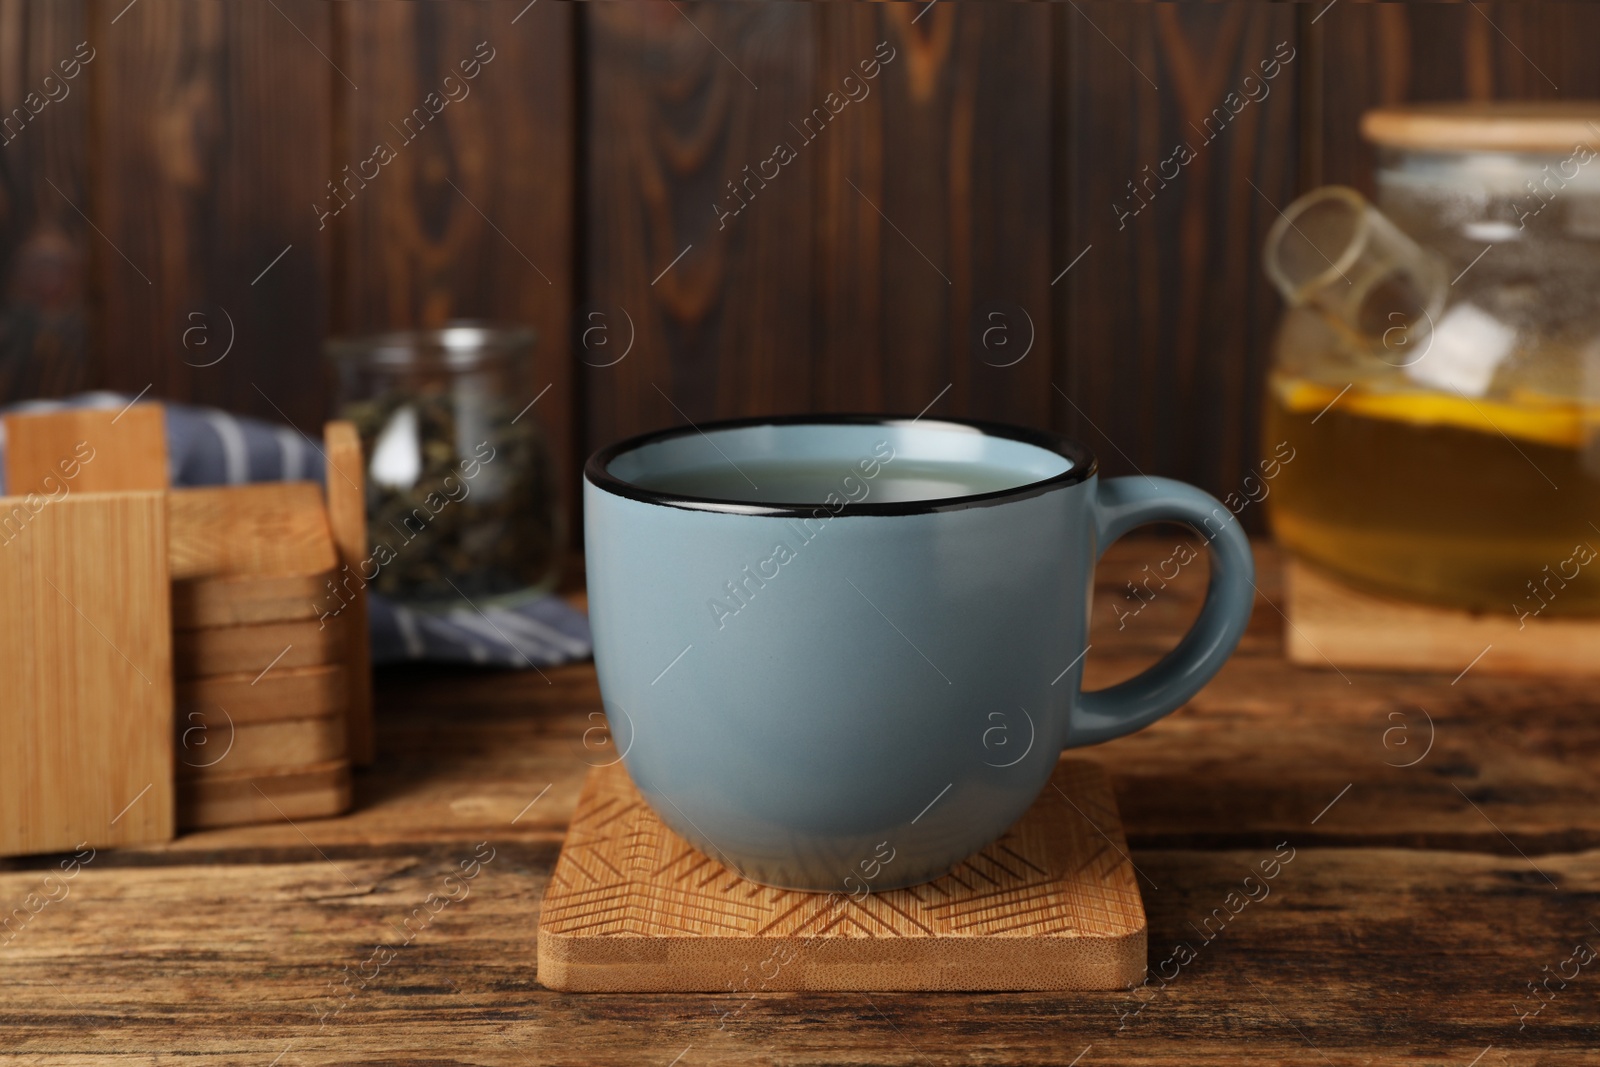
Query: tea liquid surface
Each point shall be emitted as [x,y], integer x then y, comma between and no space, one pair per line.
[786,481]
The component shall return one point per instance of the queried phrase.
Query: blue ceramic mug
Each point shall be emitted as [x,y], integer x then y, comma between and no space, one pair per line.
[809,630]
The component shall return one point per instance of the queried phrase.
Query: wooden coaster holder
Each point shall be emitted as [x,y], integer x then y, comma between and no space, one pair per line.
[259,691]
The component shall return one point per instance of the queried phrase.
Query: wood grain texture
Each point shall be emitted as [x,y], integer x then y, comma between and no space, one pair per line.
[257,648]
[199,603]
[1053,904]
[1371,947]
[870,226]
[1169,318]
[936,200]
[473,217]
[245,554]
[681,100]
[211,144]
[86,450]
[250,795]
[1390,53]
[281,693]
[1328,623]
[86,707]
[995,144]
[44,171]
[347,518]
[1360,927]
[211,743]
[265,530]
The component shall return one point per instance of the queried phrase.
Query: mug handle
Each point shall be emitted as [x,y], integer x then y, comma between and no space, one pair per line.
[1119,505]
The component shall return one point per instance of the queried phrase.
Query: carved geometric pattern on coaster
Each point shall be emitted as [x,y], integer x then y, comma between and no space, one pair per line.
[1053,904]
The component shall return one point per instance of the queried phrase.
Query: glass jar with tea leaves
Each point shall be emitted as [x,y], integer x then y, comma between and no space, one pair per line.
[460,500]
[1438,370]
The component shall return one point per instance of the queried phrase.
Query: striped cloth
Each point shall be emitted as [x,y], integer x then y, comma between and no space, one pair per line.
[206,446]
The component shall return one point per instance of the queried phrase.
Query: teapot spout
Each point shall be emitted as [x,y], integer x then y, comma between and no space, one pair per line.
[1333,251]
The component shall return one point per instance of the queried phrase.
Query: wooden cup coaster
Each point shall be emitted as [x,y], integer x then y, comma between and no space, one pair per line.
[1052,905]
[269,794]
[1330,625]
[218,650]
[214,744]
[244,554]
[281,693]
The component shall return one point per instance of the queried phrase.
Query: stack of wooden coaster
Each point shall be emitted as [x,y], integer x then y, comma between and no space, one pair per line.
[261,682]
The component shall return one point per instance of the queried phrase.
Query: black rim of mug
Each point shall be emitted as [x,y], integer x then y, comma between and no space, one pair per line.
[1084,466]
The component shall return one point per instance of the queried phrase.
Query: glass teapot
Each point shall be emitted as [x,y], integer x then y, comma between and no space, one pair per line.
[1437,371]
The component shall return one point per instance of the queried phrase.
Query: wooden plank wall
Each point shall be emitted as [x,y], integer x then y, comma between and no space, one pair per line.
[907,247]
[472,218]
[210,139]
[1169,318]
[44,254]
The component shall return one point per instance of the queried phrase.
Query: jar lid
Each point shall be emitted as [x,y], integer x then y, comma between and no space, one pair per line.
[1506,126]
[459,345]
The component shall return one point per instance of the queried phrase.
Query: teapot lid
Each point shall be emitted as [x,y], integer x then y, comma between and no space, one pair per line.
[1502,126]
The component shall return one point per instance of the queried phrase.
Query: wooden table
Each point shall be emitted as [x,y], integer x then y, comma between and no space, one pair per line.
[1419,903]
